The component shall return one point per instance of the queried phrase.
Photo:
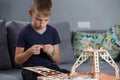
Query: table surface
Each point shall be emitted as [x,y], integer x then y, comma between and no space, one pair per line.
[103,76]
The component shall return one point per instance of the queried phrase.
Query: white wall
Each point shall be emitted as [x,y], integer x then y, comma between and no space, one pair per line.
[14,9]
[100,13]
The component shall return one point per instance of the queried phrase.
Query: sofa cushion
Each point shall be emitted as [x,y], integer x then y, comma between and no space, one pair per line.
[83,39]
[5,62]
[66,53]
[12,74]
[13,28]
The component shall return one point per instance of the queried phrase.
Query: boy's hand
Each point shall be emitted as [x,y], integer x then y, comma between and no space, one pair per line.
[48,49]
[35,49]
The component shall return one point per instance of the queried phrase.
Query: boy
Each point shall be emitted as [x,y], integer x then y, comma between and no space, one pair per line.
[38,43]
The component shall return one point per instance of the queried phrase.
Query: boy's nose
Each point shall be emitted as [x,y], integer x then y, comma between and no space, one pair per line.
[41,24]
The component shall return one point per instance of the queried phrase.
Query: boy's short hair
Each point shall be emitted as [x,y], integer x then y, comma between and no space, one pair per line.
[43,6]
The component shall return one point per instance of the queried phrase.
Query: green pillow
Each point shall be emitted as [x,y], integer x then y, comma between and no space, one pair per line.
[82,39]
[112,37]
[112,41]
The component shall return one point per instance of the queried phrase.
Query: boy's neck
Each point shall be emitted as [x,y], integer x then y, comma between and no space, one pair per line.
[41,31]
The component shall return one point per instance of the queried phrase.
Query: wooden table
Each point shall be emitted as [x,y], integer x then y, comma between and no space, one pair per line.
[103,76]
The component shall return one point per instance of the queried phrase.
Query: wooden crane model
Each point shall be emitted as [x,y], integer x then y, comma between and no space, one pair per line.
[94,55]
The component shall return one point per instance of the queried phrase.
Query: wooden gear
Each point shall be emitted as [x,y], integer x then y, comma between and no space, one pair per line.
[94,55]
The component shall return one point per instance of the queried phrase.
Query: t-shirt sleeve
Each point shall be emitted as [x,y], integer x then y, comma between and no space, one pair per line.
[56,38]
[20,41]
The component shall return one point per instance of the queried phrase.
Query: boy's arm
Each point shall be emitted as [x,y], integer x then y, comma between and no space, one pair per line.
[22,56]
[56,54]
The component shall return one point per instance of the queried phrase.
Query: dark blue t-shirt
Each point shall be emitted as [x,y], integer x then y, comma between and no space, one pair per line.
[28,37]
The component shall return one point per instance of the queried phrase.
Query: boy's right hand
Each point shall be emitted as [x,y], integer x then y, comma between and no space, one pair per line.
[35,49]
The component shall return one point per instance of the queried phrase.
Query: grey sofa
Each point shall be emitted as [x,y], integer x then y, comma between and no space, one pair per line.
[9,70]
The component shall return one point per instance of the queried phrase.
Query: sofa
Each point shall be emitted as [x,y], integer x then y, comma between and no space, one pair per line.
[9,70]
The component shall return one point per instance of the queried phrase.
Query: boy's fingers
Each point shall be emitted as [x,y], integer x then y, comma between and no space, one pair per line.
[39,46]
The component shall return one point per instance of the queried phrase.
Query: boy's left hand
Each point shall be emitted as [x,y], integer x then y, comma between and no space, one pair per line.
[48,49]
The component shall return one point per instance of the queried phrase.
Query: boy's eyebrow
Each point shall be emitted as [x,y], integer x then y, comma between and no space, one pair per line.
[38,18]
[41,18]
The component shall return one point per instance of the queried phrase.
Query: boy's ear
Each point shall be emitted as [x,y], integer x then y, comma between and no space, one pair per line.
[30,13]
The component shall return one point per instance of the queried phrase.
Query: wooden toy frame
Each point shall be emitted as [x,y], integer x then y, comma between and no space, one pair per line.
[94,55]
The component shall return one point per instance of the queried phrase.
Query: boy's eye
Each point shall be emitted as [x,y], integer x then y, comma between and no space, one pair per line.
[46,20]
[38,19]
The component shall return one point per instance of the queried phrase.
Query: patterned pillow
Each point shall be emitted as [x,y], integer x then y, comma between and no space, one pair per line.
[112,37]
[114,53]
[118,24]
[82,39]
[112,41]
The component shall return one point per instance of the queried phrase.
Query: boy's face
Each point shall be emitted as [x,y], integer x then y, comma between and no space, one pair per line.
[39,21]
